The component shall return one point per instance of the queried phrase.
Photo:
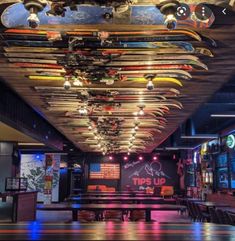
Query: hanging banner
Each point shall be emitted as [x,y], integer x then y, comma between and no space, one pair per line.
[48,179]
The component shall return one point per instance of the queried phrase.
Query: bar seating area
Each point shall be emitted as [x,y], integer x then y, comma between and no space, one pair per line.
[117,120]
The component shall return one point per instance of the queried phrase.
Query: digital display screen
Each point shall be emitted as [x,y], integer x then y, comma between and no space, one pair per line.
[222,160]
[104,171]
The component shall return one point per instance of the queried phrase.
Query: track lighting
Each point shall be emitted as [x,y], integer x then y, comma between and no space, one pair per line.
[168,9]
[150,85]
[34,7]
[83,110]
[141,111]
[89,127]
[67,84]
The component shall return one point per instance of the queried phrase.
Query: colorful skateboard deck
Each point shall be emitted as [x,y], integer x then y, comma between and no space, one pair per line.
[16,15]
[138,79]
[160,35]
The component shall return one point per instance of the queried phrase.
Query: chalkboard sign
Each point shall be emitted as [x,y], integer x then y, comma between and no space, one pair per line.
[142,174]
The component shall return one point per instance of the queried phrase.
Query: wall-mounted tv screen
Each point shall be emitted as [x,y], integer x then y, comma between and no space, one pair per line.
[222,160]
[104,171]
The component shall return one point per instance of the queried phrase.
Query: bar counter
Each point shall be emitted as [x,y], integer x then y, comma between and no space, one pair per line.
[22,206]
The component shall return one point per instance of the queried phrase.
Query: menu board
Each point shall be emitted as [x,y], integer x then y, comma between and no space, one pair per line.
[104,171]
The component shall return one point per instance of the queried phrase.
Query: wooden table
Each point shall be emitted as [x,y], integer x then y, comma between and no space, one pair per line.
[101,194]
[212,204]
[114,206]
[117,231]
[228,209]
[94,199]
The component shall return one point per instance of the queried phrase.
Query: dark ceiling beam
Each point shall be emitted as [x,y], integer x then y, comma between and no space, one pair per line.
[19,115]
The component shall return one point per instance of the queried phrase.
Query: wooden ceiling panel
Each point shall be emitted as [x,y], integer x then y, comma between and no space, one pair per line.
[106,117]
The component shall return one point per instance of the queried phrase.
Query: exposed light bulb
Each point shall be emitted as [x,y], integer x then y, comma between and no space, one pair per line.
[67,85]
[33,20]
[141,112]
[150,85]
[83,111]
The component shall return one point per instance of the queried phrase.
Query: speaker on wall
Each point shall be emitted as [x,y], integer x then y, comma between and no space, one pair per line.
[16,155]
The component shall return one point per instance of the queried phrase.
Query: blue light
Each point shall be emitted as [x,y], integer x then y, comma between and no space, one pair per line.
[34,230]
[39,157]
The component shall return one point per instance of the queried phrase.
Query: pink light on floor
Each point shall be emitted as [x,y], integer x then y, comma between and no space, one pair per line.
[140,158]
[125,158]
[155,158]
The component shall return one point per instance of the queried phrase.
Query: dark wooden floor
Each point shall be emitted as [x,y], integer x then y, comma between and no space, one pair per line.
[117,231]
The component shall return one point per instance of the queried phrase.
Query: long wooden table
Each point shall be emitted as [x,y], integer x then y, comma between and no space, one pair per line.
[212,204]
[117,231]
[101,194]
[228,209]
[94,199]
[114,206]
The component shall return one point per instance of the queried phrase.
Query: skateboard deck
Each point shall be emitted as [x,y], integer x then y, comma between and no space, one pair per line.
[16,15]
[159,35]
[138,79]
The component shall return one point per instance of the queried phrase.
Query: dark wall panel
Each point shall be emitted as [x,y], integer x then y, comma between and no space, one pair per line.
[6,149]
[140,174]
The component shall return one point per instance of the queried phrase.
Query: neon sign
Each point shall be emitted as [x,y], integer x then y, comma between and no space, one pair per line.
[230,141]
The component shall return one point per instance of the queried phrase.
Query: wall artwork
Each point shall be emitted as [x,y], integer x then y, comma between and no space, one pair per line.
[142,174]
[33,167]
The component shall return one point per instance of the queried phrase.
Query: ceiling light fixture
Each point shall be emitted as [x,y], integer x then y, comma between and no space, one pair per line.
[223,115]
[140,158]
[34,7]
[141,111]
[67,84]
[201,136]
[150,85]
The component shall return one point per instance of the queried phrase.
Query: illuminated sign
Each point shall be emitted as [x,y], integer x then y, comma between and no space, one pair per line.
[230,142]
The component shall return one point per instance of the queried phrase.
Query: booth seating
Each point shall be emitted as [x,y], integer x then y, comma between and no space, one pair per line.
[86,216]
[113,215]
[137,215]
[167,191]
[101,188]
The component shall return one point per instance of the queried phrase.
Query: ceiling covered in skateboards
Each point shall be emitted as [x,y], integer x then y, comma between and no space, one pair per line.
[119,84]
